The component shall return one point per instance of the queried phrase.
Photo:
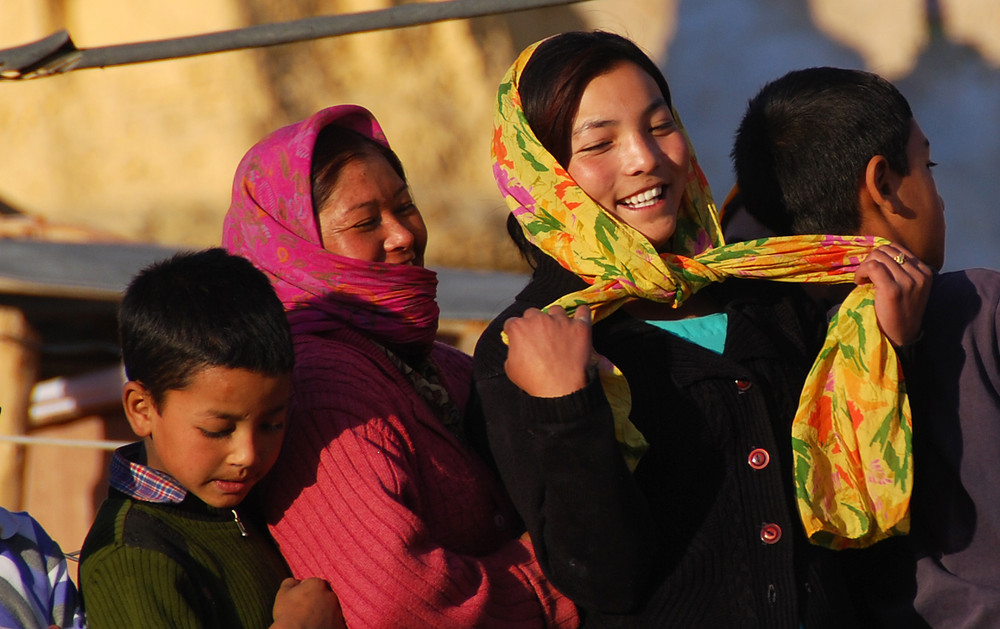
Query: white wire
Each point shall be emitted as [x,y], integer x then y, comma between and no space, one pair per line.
[70,443]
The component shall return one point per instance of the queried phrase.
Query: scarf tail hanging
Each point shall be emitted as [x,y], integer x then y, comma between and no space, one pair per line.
[852,439]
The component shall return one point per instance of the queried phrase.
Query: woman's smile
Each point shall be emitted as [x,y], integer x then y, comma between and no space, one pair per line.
[643,200]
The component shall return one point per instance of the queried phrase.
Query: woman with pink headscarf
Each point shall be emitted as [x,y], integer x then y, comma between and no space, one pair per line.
[377,489]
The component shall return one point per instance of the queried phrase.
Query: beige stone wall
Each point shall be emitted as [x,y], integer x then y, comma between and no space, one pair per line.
[975,23]
[890,34]
[148,151]
[140,150]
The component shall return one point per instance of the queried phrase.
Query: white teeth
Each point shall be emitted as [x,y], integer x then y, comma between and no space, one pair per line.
[643,199]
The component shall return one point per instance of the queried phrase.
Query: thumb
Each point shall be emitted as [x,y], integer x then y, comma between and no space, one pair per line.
[864,274]
[288,583]
[583,313]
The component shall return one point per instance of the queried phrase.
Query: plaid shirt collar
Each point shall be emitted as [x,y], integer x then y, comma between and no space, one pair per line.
[140,482]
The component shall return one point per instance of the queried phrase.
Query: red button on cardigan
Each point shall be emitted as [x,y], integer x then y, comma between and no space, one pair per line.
[759,458]
[770,533]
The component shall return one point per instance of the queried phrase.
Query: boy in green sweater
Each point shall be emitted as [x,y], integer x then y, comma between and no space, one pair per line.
[208,357]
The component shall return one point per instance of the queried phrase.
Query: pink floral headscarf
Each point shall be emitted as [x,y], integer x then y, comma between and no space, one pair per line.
[271,222]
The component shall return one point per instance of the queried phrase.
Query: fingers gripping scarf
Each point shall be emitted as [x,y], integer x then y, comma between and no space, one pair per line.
[851,433]
[271,222]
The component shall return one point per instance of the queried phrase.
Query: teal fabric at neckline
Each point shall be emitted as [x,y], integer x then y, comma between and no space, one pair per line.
[708,331]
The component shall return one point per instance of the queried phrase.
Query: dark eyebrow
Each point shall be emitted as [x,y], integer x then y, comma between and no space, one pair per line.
[364,205]
[597,124]
[236,418]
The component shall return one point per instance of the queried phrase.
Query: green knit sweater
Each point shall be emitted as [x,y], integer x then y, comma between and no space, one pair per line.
[177,566]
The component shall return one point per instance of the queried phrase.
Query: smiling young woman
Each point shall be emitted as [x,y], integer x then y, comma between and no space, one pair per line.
[702,530]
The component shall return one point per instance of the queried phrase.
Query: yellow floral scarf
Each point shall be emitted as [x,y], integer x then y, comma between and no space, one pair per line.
[851,433]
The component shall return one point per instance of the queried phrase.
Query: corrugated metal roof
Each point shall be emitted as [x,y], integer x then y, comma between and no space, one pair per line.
[101,271]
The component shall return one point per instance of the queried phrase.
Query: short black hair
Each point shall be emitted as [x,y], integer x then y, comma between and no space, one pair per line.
[197,310]
[805,141]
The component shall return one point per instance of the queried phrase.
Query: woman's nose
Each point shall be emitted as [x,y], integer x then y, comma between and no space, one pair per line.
[641,155]
[399,236]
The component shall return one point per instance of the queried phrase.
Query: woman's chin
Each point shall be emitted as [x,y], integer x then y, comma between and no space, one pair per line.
[660,235]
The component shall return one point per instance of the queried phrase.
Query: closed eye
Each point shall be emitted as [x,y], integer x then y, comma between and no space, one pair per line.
[664,128]
[595,148]
[217,434]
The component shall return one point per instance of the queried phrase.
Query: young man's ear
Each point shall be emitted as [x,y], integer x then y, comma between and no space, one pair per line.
[139,408]
[878,185]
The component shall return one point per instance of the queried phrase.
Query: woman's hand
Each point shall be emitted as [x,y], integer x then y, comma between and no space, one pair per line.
[549,352]
[902,287]
[307,604]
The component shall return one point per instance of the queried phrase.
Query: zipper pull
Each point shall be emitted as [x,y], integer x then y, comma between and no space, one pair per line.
[239,523]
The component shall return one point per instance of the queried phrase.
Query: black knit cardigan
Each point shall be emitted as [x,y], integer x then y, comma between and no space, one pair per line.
[704,533]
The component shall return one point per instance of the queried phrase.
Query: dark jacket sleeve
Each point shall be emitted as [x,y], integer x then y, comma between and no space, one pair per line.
[558,457]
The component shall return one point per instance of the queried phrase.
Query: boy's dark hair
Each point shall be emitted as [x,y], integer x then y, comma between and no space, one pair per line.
[805,141]
[552,84]
[198,310]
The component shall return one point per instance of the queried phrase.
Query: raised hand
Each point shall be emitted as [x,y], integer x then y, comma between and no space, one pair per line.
[902,287]
[549,352]
[307,604]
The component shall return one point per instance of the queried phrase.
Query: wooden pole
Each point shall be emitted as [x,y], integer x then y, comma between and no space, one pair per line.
[19,357]
[57,53]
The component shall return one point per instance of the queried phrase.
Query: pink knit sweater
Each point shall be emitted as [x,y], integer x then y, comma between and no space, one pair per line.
[373,494]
